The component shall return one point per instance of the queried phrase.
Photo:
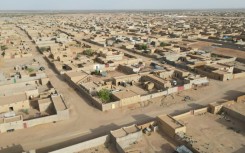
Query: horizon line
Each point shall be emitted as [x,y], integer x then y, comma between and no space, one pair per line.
[121,9]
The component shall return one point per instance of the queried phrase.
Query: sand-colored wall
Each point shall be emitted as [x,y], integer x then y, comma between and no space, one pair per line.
[241,99]
[239,75]
[11,125]
[168,129]
[32,93]
[16,106]
[184,115]
[44,106]
[129,139]
[200,111]
[213,108]
[44,81]
[130,100]
[42,120]
[109,106]
[84,145]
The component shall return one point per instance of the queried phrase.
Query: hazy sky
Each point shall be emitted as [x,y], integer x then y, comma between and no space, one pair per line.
[117,4]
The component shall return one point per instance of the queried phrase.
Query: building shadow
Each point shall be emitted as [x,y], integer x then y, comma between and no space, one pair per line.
[97,132]
[241,150]
[142,119]
[12,149]
[232,95]
[94,133]
[166,148]
[193,106]
[231,123]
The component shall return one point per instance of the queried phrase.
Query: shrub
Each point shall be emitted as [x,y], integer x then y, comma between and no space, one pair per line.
[142,47]
[43,49]
[88,52]
[4,47]
[104,95]
[30,69]
[162,44]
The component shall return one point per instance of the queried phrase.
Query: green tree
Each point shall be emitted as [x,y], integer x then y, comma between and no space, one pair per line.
[104,95]
[4,47]
[88,52]
[142,46]
[29,69]
[162,44]
[3,54]
[43,49]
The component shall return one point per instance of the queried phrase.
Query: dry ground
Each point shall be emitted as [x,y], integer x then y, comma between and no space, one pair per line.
[214,134]
[155,142]
[218,50]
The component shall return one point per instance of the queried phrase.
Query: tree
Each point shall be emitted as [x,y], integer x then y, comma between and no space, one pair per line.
[104,95]
[29,69]
[4,47]
[3,54]
[88,52]
[142,47]
[162,44]
[43,49]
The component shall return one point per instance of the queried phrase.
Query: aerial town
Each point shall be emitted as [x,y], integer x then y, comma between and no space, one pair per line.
[122,82]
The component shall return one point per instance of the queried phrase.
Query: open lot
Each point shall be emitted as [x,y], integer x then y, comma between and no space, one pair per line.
[229,52]
[215,133]
[155,142]
[209,46]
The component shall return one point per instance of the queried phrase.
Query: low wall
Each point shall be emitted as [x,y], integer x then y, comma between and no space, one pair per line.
[110,106]
[227,60]
[154,95]
[172,90]
[201,111]
[4,127]
[187,86]
[138,52]
[146,125]
[42,120]
[241,99]
[184,115]
[214,108]
[169,126]
[9,82]
[126,141]
[84,145]
[239,75]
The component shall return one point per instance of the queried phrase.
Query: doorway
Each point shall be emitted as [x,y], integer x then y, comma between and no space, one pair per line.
[11,109]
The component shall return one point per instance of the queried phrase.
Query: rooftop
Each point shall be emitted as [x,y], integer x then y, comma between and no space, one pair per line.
[5,100]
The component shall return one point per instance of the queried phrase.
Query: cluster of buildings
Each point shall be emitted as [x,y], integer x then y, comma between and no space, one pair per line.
[201,130]
[27,96]
[214,66]
[91,65]
[29,99]
[121,59]
[127,89]
[12,44]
